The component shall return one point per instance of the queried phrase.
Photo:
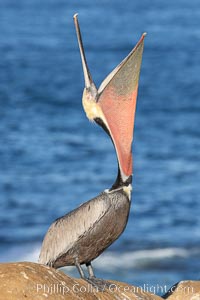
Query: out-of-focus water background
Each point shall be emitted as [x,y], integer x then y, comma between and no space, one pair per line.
[52,159]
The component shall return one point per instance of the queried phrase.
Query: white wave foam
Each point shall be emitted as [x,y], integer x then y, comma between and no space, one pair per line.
[21,253]
[113,260]
[108,260]
[32,255]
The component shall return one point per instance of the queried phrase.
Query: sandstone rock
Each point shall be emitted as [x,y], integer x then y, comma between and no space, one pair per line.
[184,290]
[26,280]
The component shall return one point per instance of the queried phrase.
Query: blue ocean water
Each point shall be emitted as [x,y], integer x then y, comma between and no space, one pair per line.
[52,159]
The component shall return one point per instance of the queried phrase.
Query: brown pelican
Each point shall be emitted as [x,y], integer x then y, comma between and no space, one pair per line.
[83,234]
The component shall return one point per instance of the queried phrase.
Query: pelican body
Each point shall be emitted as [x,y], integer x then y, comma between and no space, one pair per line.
[83,234]
[95,225]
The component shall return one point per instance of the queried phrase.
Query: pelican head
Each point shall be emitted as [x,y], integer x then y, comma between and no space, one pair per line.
[113,104]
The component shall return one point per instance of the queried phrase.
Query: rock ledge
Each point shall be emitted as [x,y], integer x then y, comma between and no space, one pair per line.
[26,280]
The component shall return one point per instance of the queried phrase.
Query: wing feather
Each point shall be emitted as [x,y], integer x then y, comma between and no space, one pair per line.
[66,231]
